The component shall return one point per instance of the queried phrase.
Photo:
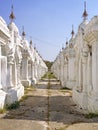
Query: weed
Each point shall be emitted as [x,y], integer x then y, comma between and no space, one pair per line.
[23,98]
[2,111]
[49,75]
[14,105]
[91,115]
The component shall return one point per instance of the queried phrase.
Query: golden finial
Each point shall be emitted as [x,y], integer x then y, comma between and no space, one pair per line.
[23,33]
[35,46]
[12,16]
[72,32]
[30,40]
[85,14]
[66,41]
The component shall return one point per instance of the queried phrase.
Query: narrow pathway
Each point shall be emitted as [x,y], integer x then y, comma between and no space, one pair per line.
[46,107]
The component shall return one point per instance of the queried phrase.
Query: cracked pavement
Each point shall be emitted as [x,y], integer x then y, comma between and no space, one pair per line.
[47,107]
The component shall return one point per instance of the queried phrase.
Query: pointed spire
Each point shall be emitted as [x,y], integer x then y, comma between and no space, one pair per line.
[85,14]
[66,41]
[72,32]
[31,41]
[35,46]
[23,33]
[12,16]
[62,46]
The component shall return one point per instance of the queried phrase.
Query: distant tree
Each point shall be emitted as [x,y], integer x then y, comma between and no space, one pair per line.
[49,64]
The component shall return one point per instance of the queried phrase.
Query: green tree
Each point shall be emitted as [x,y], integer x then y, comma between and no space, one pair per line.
[49,64]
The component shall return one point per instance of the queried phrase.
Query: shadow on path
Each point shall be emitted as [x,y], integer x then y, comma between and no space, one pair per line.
[50,106]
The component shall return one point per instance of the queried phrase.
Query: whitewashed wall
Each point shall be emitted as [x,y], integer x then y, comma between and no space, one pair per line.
[18,67]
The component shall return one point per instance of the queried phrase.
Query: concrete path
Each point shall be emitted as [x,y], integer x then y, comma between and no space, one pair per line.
[83,126]
[47,107]
[15,124]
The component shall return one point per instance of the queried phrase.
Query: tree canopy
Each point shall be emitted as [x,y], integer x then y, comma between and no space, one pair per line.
[49,64]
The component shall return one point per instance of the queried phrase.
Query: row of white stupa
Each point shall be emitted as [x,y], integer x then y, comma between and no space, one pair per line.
[76,66]
[20,63]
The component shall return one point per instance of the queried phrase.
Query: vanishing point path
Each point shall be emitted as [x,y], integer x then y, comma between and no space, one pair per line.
[47,107]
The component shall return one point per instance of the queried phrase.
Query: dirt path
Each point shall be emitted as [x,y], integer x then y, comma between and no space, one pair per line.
[46,107]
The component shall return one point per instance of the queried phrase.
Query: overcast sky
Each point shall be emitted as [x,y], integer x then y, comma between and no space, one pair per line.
[48,22]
